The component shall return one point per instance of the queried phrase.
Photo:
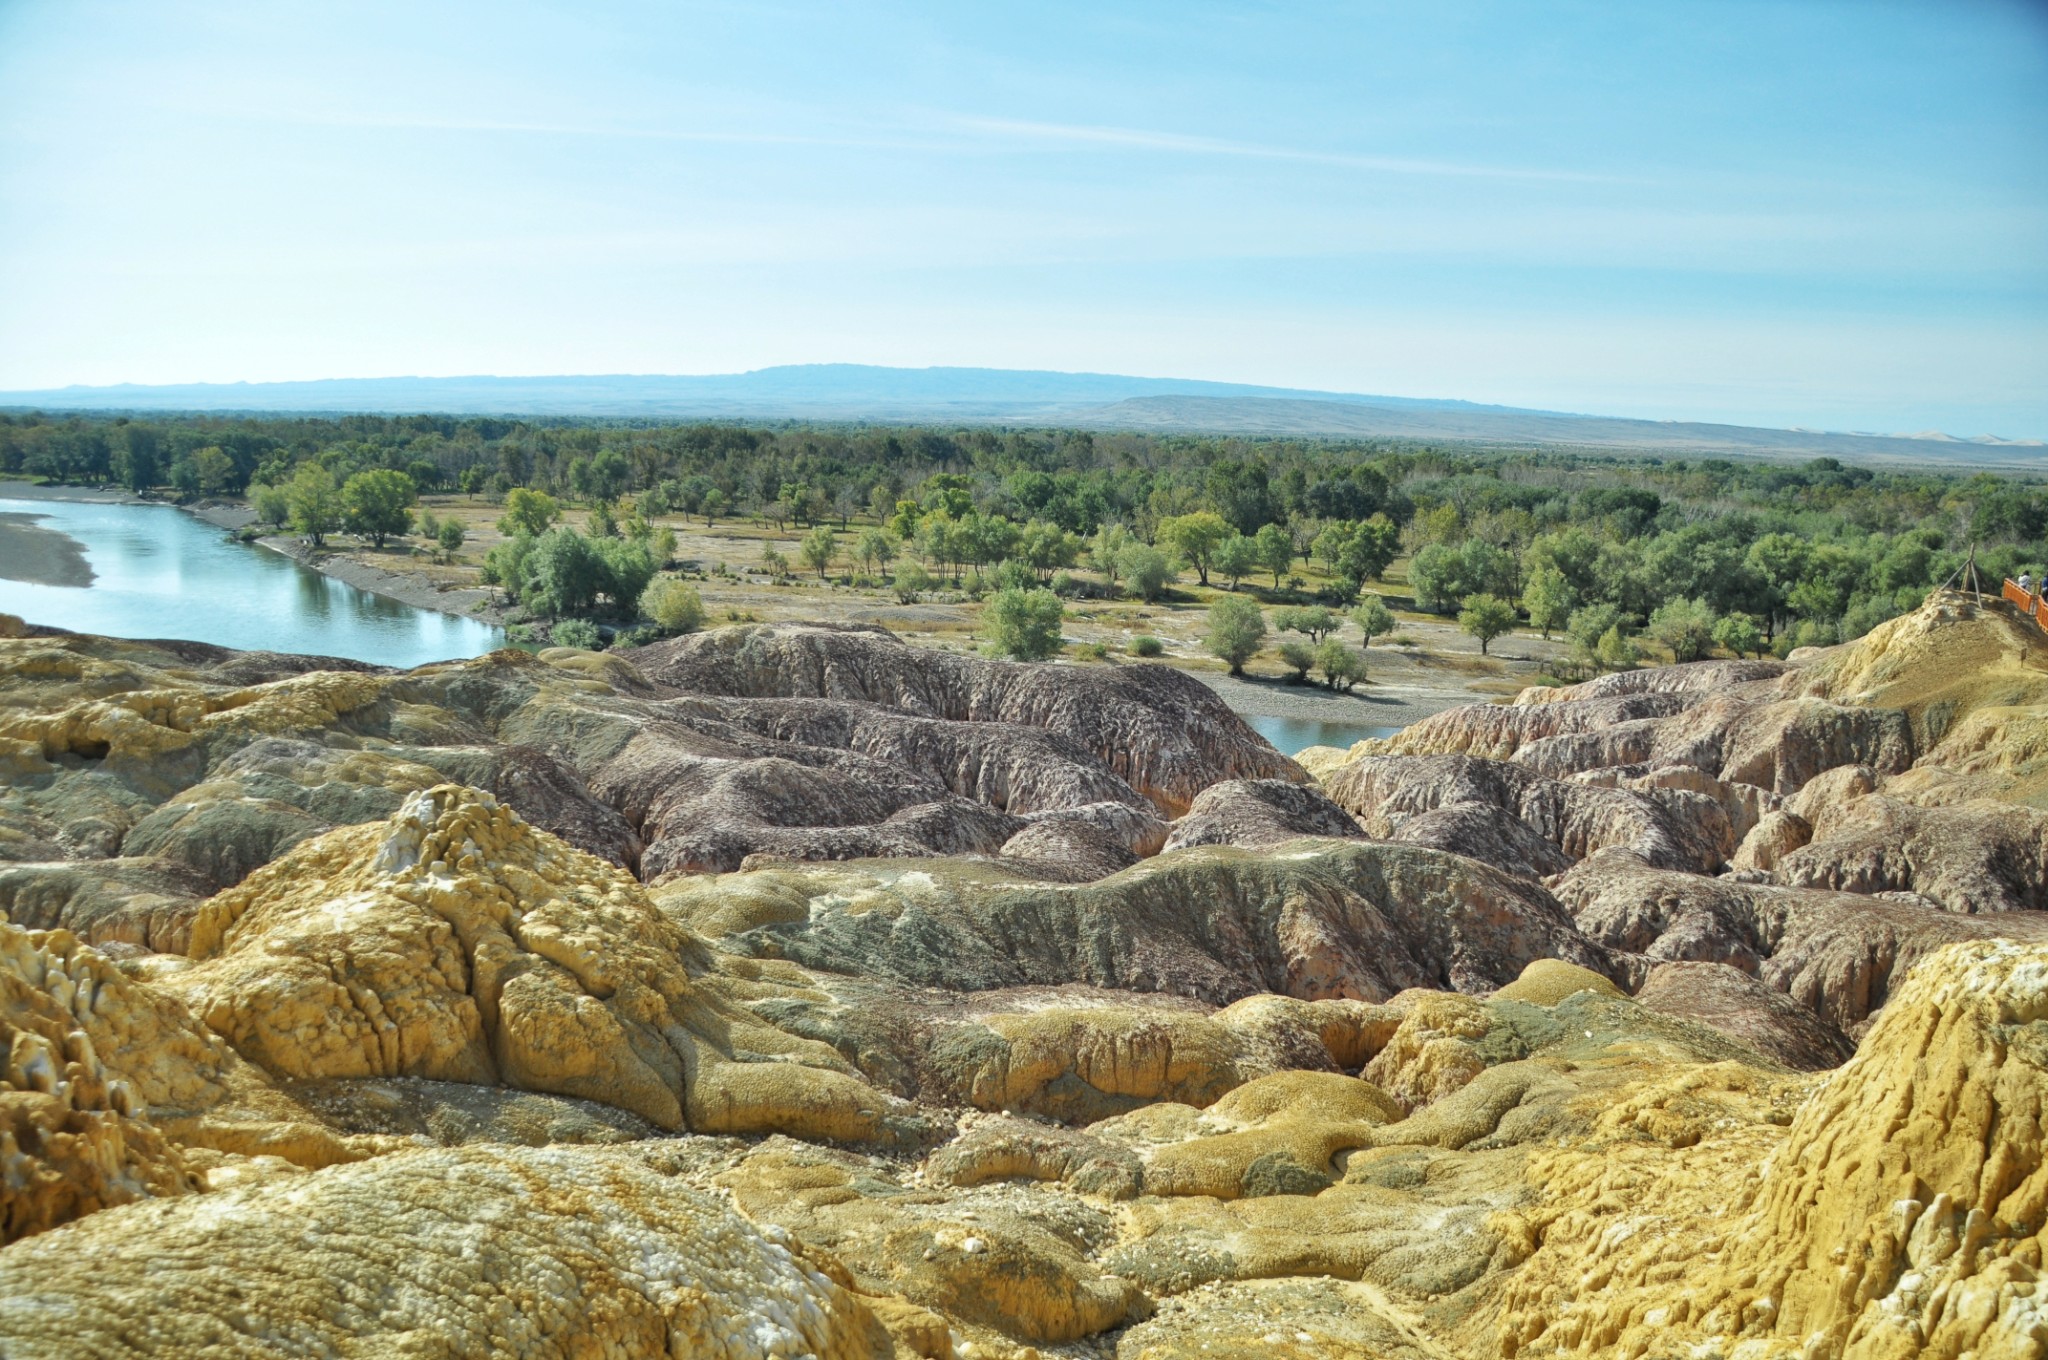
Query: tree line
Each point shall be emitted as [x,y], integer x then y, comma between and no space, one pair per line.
[1696,551]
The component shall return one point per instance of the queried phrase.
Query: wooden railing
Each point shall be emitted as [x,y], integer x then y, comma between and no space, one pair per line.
[2031,605]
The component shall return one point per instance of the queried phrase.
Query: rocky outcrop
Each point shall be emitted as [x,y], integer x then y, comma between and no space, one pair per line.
[1836,954]
[74,1138]
[1311,919]
[1255,812]
[456,943]
[418,1027]
[1973,857]
[1164,733]
[1738,1005]
[1899,1215]
[1673,827]
[472,1251]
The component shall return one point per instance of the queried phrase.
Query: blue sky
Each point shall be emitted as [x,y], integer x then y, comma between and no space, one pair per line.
[1789,213]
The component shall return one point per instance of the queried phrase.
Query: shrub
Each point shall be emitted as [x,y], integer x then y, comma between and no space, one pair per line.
[1024,624]
[578,633]
[1145,571]
[426,523]
[1341,666]
[1093,651]
[1615,652]
[450,535]
[1147,645]
[1237,628]
[1298,657]
[673,605]
[912,580]
[1010,574]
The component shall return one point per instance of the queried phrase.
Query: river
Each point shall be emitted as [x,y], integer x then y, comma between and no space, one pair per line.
[1291,736]
[161,573]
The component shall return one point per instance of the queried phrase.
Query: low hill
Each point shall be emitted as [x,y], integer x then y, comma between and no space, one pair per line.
[860,392]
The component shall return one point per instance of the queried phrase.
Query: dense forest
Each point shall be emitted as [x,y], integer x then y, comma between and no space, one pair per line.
[1807,553]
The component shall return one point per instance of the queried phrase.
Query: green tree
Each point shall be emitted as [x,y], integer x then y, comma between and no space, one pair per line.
[712,506]
[674,605]
[449,535]
[1023,624]
[1106,547]
[1237,628]
[1236,558]
[561,574]
[1047,548]
[1195,538]
[1315,620]
[818,548]
[774,563]
[912,580]
[1486,617]
[1342,667]
[505,564]
[1373,618]
[1739,634]
[1275,548]
[1436,573]
[314,502]
[1367,550]
[1146,570]
[1298,657]
[1686,627]
[528,512]
[272,504]
[1587,625]
[1615,651]
[874,549]
[377,504]
[1549,598]
[627,569]
[603,522]
[214,469]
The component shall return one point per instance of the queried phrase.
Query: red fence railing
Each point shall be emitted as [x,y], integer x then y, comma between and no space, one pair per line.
[2031,605]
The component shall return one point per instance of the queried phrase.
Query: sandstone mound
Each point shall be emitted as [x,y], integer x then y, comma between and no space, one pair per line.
[1836,954]
[1901,1215]
[1738,1005]
[1310,919]
[1255,812]
[1163,732]
[456,943]
[1673,827]
[477,1251]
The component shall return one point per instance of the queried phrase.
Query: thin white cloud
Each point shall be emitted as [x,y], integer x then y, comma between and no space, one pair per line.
[1147,140]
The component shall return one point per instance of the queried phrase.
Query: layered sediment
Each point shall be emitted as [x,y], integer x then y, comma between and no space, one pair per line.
[785,991]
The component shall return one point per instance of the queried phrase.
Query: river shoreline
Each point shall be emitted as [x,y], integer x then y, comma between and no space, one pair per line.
[477,604]
[36,555]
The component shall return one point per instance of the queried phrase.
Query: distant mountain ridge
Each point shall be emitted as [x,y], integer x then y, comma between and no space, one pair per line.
[861,392]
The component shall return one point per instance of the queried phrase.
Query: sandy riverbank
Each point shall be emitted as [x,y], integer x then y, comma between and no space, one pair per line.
[479,603]
[40,556]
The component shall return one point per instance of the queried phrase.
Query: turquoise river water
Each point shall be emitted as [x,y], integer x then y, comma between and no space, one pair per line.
[161,573]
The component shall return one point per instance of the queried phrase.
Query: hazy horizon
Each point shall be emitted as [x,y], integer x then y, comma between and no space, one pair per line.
[1792,215]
